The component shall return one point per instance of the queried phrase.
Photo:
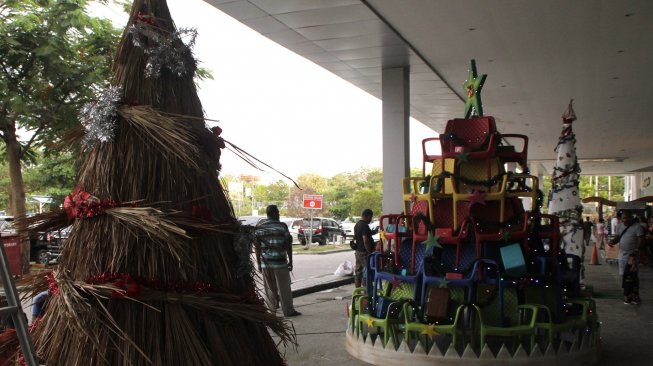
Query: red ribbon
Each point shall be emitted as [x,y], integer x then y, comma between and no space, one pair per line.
[52,284]
[145,18]
[126,286]
[83,205]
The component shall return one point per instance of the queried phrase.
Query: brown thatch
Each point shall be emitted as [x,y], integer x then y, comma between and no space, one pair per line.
[190,307]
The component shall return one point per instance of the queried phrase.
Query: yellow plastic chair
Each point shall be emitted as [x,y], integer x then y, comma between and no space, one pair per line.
[415,197]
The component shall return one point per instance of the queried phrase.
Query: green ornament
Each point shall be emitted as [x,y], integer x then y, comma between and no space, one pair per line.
[444,283]
[432,241]
[472,87]
[505,235]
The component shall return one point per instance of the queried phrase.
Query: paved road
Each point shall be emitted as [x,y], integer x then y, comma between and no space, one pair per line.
[312,269]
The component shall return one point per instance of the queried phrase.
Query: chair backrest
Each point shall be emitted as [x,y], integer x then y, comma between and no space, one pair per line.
[472,133]
[478,170]
[502,309]
[443,213]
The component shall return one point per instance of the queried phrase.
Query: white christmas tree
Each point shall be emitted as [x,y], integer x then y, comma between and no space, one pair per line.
[564,199]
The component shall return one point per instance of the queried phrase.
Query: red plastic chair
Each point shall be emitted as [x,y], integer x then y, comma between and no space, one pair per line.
[481,215]
[509,153]
[475,136]
[395,228]
[442,220]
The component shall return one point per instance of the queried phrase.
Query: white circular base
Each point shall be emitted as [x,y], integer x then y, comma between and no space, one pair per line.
[588,353]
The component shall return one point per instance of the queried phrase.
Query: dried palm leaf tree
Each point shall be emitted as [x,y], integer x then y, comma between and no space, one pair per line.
[158,281]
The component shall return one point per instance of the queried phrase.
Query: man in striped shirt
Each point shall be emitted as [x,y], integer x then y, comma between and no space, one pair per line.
[274,258]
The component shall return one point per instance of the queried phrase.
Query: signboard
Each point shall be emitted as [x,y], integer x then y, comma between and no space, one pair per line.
[313,201]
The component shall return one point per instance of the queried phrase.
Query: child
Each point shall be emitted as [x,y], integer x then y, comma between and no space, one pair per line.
[631,281]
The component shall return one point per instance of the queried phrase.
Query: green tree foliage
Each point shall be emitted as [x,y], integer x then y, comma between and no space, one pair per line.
[53,59]
[367,198]
[272,194]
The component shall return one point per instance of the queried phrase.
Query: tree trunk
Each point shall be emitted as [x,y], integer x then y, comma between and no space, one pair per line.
[17,187]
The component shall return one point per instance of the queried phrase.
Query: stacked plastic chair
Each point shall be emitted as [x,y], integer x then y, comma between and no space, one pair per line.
[465,258]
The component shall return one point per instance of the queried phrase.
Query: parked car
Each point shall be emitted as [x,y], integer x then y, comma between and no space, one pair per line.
[321,230]
[45,248]
[250,220]
[348,228]
[293,226]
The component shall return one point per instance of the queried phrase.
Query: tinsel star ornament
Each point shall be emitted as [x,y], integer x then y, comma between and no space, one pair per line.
[472,87]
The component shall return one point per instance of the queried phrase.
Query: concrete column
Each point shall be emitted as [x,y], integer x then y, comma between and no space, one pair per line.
[635,181]
[396,112]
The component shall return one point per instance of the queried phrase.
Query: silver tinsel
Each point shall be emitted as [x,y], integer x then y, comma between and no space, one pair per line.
[164,51]
[99,117]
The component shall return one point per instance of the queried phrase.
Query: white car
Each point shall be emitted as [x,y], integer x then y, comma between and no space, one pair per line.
[293,226]
[348,228]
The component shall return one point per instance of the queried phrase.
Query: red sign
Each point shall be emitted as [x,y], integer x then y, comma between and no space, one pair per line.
[313,201]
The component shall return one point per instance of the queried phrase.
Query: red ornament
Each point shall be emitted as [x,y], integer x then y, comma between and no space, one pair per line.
[83,205]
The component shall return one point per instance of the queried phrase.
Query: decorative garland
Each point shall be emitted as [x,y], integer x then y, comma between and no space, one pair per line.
[128,286]
[445,174]
[99,118]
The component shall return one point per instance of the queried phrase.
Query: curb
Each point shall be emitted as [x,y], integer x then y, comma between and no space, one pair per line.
[322,286]
[302,252]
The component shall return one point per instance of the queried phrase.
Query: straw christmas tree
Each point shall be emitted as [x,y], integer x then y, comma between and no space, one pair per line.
[155,271]
[564,199]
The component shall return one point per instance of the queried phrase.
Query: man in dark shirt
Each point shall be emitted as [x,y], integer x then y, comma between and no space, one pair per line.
[587,231]
[364,244]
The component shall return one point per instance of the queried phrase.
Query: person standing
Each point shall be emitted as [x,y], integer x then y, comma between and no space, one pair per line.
[630,236]
[364,244]
[273,247]
[600,233]
[614,222]
[587,231]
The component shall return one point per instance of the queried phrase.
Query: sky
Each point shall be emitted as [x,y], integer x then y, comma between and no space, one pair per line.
[281,108]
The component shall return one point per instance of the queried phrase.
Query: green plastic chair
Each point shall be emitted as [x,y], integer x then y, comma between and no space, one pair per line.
[389,324]
[358,292]
[413,325]
[547,299]
[521,319]
[570,323]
